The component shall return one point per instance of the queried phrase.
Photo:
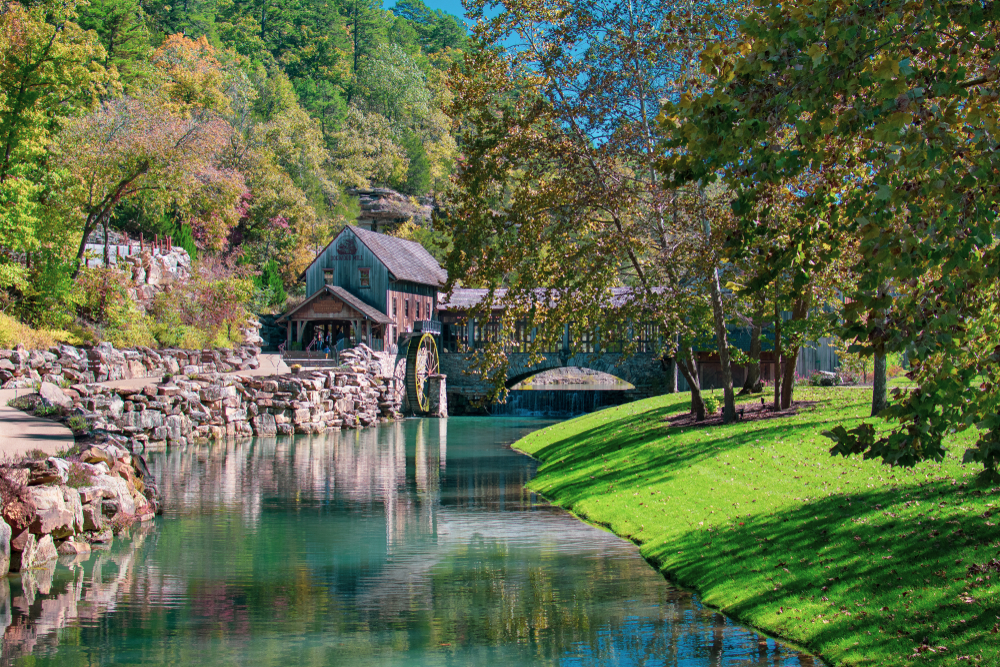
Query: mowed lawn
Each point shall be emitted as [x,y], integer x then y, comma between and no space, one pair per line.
[857,562]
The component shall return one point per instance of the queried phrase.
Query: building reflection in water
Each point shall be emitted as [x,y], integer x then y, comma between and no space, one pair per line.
[412,543]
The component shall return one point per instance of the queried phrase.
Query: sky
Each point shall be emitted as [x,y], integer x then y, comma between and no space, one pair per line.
[450,6]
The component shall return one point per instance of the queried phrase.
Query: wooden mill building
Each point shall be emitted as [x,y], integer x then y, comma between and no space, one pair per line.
[366,287]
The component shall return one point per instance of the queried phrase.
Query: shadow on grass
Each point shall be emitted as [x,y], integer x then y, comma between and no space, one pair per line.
[856,568]
[651,449]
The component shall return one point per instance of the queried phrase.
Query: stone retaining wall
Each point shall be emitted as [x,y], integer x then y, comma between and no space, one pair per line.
[210,406]
[67,506]
[67,365]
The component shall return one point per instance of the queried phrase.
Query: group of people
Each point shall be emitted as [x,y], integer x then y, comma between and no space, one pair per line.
[326,343]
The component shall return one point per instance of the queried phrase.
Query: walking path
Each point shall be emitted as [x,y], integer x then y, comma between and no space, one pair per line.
[21,432]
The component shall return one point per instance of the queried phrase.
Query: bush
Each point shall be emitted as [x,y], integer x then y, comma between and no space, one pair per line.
[13,332]
[208,310]
[79,476]
[78,424]
[712,405]
[104,301]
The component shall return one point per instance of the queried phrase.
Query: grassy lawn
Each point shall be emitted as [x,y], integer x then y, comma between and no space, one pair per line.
[859,563]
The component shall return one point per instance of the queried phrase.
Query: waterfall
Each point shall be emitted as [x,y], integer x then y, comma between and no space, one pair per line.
[558,402]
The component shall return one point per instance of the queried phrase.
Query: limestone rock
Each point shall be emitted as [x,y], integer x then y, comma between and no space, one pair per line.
[22,551]
[5,535]
[93,517]
[73,548]
[118,490]
[75,506]
[54,396]
[46,550]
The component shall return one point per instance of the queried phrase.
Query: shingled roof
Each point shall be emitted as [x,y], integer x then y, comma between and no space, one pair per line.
[406,260]
[346,297]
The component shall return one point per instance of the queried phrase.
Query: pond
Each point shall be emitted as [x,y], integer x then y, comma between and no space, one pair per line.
[413,543]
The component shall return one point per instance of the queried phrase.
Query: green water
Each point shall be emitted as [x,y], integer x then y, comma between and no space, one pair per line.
[409,544]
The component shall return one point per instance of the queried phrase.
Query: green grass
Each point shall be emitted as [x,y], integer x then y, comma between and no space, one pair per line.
[857,562]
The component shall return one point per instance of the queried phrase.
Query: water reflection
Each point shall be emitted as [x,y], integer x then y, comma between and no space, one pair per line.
[414,543]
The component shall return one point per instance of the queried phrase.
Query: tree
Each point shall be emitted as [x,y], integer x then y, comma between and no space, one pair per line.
[894,113]
[558,189]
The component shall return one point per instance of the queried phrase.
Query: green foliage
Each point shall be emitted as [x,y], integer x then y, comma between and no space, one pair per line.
[269,282]
[884,130]
[857,563]
[234,127]
[103,299]
[712,404]
[78,424]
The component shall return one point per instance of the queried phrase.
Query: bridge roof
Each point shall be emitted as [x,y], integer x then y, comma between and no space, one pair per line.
[464,298]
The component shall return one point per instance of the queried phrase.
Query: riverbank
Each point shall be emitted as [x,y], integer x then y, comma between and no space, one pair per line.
[857,562]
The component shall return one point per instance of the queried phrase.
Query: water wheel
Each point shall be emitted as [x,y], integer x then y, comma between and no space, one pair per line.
[421,363]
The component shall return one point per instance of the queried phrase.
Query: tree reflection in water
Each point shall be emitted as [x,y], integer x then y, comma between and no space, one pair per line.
[413,543]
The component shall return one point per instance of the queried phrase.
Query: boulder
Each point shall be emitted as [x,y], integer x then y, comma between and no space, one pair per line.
[118,492]
[22,551]
[93,517]
[46,550]
[5,535]
[73,548]
[54,396]
[75,506]
[48,471]
[96,455]
[264,425]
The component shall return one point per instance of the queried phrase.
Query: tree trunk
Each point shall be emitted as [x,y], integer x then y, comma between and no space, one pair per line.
[688,366]
[777,355]
[800,309]
[752,383]
[107,246]
[880,394]
[729,406]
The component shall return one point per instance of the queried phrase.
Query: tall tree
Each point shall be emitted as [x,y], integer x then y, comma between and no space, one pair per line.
[893,110]
[559,188]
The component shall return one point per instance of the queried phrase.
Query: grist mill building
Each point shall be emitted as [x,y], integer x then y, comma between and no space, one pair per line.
[366,287]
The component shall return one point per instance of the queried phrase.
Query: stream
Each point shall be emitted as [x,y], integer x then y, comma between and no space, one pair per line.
[413,543]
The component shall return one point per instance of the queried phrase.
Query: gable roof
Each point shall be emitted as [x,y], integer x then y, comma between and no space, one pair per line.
[348,298]
[405,260]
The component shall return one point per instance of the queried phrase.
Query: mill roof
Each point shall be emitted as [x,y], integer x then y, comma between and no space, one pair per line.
[405,260]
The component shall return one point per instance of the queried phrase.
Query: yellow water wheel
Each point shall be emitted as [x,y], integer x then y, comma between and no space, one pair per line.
[421,362]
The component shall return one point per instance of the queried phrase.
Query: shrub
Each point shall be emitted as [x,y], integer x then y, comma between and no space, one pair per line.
[208,310]
[35,455]
[79,476]
[104,301]
[13,332]
[78,424]
[711,405]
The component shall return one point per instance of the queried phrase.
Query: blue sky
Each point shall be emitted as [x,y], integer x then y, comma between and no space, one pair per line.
[450,6]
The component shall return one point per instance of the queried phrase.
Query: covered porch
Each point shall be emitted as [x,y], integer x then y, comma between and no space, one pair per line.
[335,317]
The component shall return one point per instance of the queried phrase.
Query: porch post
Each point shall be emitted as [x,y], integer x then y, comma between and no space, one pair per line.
[288,336]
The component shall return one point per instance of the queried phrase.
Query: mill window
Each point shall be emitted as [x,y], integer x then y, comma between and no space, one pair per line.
[327,276]
[366,277]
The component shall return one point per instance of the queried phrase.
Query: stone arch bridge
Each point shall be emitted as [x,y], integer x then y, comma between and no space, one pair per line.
[646,372]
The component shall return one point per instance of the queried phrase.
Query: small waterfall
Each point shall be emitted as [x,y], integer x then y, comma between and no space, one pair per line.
[558,402]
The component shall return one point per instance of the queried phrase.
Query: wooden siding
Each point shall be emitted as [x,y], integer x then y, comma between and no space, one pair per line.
[404,320]
[346,274]
[346,268]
